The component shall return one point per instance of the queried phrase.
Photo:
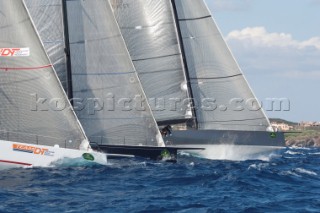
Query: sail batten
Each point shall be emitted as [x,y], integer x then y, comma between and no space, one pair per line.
[108,97]
[223,97]
[231,76]
[191,19]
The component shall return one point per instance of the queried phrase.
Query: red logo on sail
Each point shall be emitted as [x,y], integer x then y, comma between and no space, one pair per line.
[14,52]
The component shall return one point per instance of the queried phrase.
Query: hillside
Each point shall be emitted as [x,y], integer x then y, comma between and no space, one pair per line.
[279,120]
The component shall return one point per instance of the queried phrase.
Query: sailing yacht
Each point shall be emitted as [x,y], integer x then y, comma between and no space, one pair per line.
[179,51]
[37,124]
[94,66]
[99,77]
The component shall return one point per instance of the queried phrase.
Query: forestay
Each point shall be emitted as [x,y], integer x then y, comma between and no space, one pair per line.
[150,34]
[108,97]
[223,97]
[34,107]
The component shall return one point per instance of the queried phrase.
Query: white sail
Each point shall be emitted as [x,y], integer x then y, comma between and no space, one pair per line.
[224,99]
[34,107]
[48,19]
[108,97]
[150,34]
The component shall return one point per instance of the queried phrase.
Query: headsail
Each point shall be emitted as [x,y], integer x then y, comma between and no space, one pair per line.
[34,107]
[151,37]
[108,97]
[48,20]
[223,96]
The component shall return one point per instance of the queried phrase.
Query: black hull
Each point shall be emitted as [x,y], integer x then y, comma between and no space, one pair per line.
[153,153]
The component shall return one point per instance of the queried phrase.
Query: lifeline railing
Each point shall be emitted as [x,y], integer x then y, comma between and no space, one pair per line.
[120,140]
[21,137]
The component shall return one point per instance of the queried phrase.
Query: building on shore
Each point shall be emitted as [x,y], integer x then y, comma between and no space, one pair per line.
[309,124]
[281,126]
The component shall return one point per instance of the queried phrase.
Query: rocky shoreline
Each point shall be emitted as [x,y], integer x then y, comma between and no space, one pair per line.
[304,142]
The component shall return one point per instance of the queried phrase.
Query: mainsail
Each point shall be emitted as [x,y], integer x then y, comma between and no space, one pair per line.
[48,19]
[223,96]
[150,34]
[34,107]
[108,97]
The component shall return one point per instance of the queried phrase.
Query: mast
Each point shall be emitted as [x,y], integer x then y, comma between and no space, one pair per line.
[67,51]
[185,64]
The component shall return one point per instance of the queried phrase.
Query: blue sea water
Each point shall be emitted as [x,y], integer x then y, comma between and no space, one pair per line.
[287,182]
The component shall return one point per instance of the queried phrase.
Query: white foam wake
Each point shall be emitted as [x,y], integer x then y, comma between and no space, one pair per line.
[235,152]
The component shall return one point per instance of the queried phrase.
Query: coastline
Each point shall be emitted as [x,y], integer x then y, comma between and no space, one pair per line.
[303,139]
[310,142]
[303,134]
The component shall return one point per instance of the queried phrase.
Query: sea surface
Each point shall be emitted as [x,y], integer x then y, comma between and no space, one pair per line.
[287,182]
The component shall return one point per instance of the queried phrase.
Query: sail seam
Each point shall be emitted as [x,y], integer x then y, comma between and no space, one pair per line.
[159,71]
[145,26]
[231,76]
[116,73]
[25,68]
[164,56]
[192,19]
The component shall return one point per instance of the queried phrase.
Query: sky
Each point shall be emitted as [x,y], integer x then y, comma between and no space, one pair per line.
[277,45]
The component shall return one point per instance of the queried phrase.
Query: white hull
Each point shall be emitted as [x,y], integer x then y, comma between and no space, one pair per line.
[233,152]
[13,155]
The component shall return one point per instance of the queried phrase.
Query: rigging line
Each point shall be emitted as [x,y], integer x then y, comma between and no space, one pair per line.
[25,68]
[192,19]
